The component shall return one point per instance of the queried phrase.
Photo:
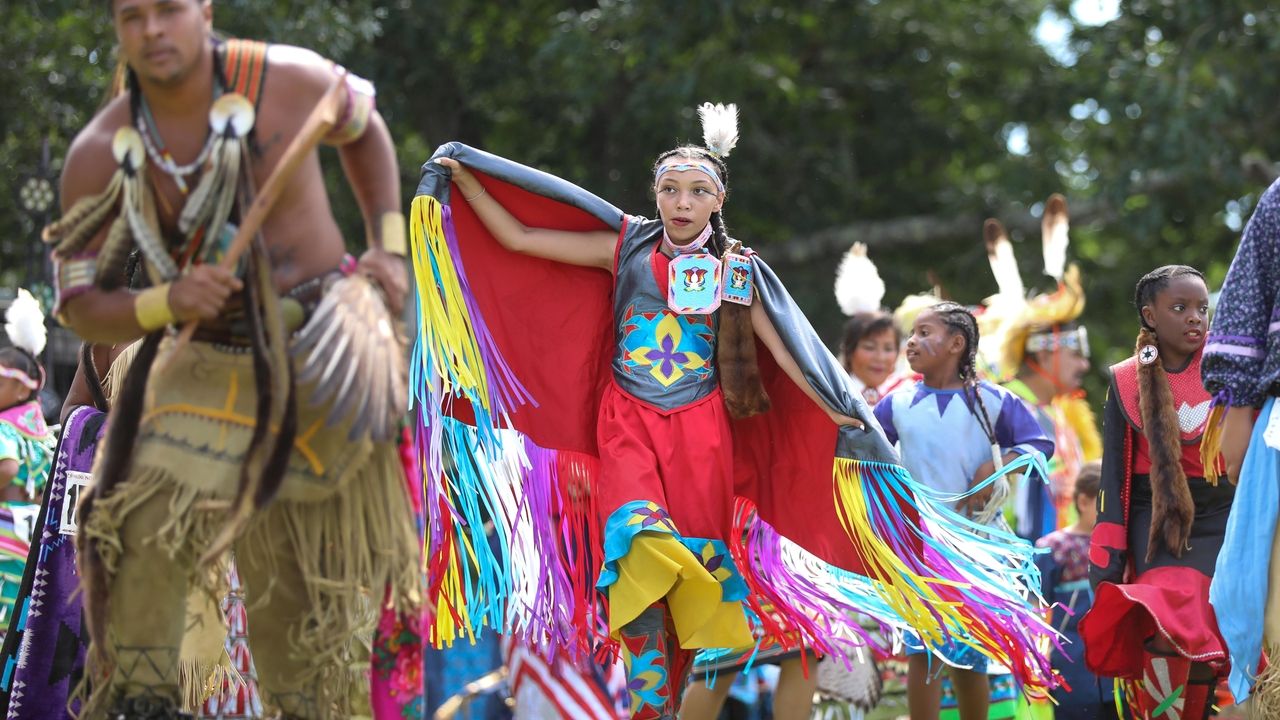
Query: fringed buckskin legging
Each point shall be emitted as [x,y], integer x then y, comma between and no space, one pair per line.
[315,562]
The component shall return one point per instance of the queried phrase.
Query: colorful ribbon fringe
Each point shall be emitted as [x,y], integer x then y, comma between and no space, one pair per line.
[513,541]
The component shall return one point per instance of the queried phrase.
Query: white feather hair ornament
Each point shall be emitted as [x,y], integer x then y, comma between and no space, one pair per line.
[1054,236]
[858,284]
[719,127]
[24,323]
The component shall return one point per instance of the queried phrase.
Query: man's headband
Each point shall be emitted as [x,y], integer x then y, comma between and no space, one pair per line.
[681,167]
[1074,339]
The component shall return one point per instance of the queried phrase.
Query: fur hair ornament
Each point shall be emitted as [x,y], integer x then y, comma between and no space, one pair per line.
[1172,508]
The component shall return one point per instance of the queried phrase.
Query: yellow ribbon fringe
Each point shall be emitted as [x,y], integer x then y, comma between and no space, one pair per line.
[918,606]
[445,326]
[1211,444]
[914,597]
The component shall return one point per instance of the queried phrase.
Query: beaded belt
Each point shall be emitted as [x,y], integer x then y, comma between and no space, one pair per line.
[231,327]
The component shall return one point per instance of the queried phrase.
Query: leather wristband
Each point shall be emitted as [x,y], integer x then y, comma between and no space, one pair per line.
[393,234]
[151,308]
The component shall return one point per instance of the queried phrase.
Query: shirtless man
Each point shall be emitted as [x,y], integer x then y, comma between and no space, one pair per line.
[168,45]
[324,529]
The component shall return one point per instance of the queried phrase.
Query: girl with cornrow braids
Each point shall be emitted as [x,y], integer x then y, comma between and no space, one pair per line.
[954,432]
[1160,522]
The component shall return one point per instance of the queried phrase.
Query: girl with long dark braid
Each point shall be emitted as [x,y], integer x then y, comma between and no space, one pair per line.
[1160,522]
[680,484]
[681,374]
[954,432]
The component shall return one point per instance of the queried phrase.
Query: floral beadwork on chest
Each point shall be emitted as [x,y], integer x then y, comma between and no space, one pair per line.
[666,345]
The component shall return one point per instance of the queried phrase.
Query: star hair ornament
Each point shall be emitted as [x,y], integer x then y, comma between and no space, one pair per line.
[1148,354]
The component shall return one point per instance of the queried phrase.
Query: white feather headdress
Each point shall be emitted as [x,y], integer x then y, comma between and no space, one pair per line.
[858,284]
[719,127]
[1004,266]
[24,323]
[1054,236]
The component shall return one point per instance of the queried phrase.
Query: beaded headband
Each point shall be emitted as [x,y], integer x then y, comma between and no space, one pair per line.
[1075,339]
[681,167]
[20,376]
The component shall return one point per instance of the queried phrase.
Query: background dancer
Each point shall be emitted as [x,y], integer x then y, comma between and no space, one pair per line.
[26,444]
[871,344]
[1065,573]
[171,167]
[1040,351]
[952,429]
[1160,522]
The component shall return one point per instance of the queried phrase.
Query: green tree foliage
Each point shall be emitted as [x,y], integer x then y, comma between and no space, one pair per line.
[901,123]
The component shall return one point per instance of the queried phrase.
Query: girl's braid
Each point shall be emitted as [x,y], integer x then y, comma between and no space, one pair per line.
[960,320]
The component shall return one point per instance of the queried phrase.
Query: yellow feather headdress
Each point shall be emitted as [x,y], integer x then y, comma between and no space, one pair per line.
[1015,321]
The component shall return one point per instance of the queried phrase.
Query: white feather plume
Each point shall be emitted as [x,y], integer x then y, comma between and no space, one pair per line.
[24,323]
[858,284]
[1054,236]
[719,127]
[1004,266]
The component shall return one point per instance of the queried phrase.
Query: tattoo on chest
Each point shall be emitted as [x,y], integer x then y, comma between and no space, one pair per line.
[261,147]
[282,257]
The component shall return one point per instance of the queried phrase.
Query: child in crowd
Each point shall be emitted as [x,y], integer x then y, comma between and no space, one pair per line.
[952,430]
[1160,522]
[26,445]
[1064,571]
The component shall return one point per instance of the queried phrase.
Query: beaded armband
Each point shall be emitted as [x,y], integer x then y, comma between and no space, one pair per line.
[356,111]
[71,277]
[393,235]
[151,308]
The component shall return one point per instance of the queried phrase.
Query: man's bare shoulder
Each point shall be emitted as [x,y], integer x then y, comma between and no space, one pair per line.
[303,71]
[90,164]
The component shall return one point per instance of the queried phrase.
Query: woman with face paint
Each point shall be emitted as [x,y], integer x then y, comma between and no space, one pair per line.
[1160,522]
[954,432]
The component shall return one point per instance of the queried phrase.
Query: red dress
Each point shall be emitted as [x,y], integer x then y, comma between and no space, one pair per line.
[680,458]
[1137,599]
